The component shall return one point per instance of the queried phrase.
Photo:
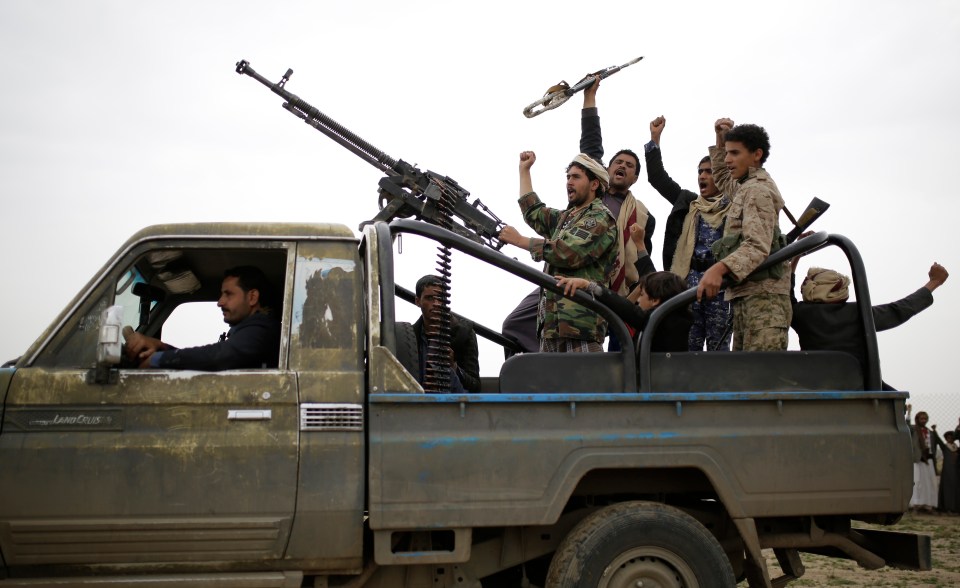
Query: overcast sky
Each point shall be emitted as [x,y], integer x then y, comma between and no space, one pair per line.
[117,115]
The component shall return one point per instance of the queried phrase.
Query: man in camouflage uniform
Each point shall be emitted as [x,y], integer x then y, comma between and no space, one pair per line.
[761,303]
[580,241]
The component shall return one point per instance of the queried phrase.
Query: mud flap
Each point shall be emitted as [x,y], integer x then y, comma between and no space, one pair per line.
[906,551]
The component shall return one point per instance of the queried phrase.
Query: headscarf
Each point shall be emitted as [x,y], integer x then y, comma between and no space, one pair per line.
[824,285]
[595,168]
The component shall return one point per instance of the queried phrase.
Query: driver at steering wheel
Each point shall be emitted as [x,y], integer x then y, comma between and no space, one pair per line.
[253,340]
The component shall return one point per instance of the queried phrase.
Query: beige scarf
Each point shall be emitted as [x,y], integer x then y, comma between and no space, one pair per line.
[712,212]
[824,285]
[594,166]
[632,212]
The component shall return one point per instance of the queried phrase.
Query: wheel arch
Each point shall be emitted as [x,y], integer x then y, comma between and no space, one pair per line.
[664,473]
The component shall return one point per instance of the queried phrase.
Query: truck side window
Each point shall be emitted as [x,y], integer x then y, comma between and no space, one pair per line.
[193,297]
[155,285]
[74,344]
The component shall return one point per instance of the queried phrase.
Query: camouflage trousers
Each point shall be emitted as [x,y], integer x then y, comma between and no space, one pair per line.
[565,345]
[761,321]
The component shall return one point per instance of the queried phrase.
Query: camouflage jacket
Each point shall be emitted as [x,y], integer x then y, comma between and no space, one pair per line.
[755,205]
[580,244]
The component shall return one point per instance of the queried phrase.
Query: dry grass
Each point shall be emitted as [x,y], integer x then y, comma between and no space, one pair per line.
[945,542]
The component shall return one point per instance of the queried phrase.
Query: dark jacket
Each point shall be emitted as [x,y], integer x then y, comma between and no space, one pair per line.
[254,342]
[675,195]
[837,326]
[463,341]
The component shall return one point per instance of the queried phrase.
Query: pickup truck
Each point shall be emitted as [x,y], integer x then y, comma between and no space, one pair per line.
[336,469]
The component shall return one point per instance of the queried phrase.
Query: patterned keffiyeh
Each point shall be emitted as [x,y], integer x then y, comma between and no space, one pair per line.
[595,167]
[824,285]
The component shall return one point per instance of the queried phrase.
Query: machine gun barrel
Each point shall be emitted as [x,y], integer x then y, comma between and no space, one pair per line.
[323,123]
[406,191]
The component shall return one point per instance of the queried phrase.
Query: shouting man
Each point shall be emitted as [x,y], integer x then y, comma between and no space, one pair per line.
[580,241]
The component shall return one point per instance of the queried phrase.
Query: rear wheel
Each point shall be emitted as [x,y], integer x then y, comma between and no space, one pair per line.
[640,544]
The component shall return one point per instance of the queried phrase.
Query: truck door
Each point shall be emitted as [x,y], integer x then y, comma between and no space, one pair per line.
[326,350]
[153,465]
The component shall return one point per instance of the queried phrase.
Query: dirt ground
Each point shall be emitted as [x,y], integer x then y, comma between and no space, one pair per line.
[945,545]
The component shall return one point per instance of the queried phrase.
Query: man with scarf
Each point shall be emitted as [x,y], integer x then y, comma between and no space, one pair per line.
[695,223]
[824,320]
[624,169]
[924,497]
[579,241]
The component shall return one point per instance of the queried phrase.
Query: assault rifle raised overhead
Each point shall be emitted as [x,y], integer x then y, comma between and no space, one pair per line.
[560,93]
[406,191]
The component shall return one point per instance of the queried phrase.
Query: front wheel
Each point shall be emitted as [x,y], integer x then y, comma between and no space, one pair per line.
[637,543]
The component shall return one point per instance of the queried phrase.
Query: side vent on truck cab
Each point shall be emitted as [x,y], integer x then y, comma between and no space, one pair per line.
[331,417]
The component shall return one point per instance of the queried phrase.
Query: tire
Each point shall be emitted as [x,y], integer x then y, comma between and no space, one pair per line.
[640,544]
[407,352]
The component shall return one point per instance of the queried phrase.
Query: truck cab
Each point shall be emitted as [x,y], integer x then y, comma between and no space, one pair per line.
[155,467]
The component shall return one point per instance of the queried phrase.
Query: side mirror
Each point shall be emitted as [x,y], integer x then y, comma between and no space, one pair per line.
[109,347]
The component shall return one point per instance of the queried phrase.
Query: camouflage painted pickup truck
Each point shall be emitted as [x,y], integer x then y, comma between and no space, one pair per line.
[617,469]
